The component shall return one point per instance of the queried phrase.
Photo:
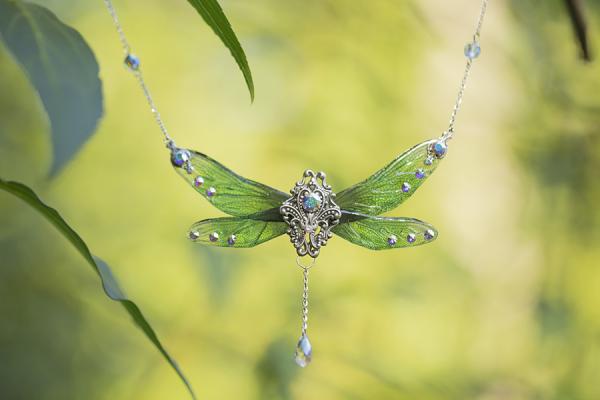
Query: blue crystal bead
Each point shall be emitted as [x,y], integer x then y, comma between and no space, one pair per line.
[132,62]
[180,157]
[406,187]
[213,237]
[311,202]
[472,50]
[411,237]
[303,354]
[420,174]
[211,192]
[199,181]
[440,148]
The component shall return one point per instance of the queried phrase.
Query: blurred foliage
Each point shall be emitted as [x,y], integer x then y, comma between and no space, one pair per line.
[502,306]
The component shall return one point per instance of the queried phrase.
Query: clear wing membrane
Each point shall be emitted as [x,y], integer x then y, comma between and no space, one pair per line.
[382,233]
[238,232]
[391,185]
[228,191]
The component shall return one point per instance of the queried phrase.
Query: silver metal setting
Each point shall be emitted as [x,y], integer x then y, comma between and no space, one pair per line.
[310,213]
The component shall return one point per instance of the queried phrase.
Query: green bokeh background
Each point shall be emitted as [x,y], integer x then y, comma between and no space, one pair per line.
[504,305]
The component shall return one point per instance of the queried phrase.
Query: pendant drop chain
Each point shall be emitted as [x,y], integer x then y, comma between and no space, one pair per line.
[303,354]
[314,212]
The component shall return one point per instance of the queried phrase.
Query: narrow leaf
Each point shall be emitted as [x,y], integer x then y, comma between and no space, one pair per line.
[109,283]
[213,15]
[61,68]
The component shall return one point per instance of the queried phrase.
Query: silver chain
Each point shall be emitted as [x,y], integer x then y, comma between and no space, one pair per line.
[305,302]
[138,75]
[463,83]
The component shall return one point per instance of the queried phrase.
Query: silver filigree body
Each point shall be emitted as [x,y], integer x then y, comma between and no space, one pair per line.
[310,213]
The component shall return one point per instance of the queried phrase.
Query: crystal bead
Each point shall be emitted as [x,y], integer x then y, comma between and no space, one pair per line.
[420,174]
[213,237]
[439,148]
[179,157]
[211,192]
[303,351]
[472,50]
[132,62]
[193,235]
[406,187]
[411,237]
[311,202]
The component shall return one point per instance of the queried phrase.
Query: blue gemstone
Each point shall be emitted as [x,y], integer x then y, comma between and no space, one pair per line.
[213,237]
[410,238]
[180,157]
[472,50]
[420,174]
[193,235]
[440,148]
[211,192]
[303,352]
[311,202]
[132,62]
[428,160]
[406,187]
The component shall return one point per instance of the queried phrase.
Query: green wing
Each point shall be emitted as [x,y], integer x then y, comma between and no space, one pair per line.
[391,185]
[237,232]
[226,190]
[382,233]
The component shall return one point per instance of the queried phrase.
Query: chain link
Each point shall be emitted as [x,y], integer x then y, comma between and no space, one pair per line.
[463,83]
[138,75]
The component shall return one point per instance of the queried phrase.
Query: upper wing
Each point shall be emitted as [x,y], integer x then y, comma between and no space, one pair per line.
[226,190]
[391,185]
[381,233]
[236,231]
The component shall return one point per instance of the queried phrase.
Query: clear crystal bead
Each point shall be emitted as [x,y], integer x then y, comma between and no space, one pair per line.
[472,50]
[303,351]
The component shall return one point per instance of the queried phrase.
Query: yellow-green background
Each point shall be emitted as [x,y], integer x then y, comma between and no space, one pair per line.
[503,305]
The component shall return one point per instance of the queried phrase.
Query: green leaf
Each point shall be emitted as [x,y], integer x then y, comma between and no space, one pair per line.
[233,194]
[61,68]
[248,232]
[109,283]
[383,191]
[213,15]
[374,232]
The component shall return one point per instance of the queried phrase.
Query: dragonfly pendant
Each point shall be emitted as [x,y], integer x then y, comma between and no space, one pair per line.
[313,214]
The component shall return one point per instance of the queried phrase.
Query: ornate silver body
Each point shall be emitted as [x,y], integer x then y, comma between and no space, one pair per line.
[310,213]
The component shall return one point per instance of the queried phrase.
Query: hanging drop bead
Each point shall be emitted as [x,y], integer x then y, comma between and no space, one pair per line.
[303,351]
[132,62]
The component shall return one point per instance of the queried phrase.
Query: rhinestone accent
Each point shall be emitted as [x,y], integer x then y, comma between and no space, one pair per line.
[213,237]
[132,62]
[231,240]
[193,235]
[420,174]
[211,192]
[411,237]
[392,240]
[472,50]
[429,234]
[199,181]
[406,187]
[179,157]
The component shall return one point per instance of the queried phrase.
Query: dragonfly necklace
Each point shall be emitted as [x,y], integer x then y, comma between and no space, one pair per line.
[311,213]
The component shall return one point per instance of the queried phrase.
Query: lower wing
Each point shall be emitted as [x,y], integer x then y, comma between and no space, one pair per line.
[236,232]
[382,233]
